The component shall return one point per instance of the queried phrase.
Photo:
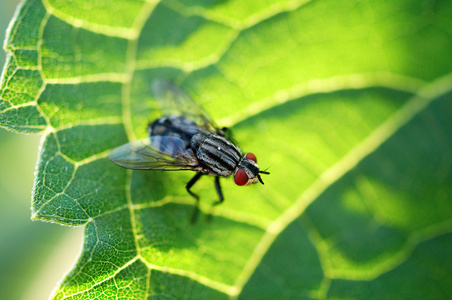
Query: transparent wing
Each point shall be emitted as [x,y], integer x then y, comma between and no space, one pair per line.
[174,101]
[155,153]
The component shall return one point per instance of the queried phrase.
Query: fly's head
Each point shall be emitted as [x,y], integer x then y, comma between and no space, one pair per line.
[247,171]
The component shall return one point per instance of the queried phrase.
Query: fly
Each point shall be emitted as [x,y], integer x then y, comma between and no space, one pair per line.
[186,138]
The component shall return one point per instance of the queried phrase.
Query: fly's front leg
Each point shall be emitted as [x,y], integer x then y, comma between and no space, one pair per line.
[220,197]
[192,181]
[219,192]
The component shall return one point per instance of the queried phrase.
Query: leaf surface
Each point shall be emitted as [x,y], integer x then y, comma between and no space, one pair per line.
[347,103]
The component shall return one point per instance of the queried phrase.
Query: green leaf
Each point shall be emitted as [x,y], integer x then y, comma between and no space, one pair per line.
[348,103]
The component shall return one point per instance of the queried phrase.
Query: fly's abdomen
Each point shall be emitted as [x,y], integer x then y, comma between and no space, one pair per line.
[175,126]
[217,154]
[172,134]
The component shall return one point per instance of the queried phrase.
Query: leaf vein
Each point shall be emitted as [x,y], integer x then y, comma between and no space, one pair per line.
[328,85]
[412,108]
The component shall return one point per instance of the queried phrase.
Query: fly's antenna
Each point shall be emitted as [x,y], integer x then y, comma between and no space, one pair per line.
[264,172]
[259,177]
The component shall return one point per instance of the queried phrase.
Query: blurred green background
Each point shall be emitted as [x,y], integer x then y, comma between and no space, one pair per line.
[34,256]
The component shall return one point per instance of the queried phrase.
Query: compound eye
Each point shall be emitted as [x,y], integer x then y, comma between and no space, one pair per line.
[251,156]
[240,177]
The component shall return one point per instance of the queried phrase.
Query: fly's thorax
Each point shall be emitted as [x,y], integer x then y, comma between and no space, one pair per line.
[197,140]
[216,154]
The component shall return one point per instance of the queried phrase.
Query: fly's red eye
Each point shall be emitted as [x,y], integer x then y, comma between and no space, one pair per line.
[240,177]
[251,156]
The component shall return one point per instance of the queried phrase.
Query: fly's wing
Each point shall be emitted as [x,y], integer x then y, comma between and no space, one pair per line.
[173,101]
[155,153]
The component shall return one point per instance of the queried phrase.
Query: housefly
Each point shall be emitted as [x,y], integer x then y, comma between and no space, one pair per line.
[186,138]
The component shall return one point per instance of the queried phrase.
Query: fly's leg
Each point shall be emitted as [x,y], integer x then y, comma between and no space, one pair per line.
[220,197]
[226,132]
[219,192]
[192,181]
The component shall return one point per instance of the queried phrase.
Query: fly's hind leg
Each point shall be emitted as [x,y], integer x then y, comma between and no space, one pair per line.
[192,181]
[220,197]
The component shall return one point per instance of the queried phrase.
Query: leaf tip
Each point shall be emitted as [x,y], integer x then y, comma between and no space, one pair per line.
[35,216]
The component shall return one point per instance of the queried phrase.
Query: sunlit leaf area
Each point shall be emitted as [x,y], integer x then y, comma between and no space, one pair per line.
[348,105]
